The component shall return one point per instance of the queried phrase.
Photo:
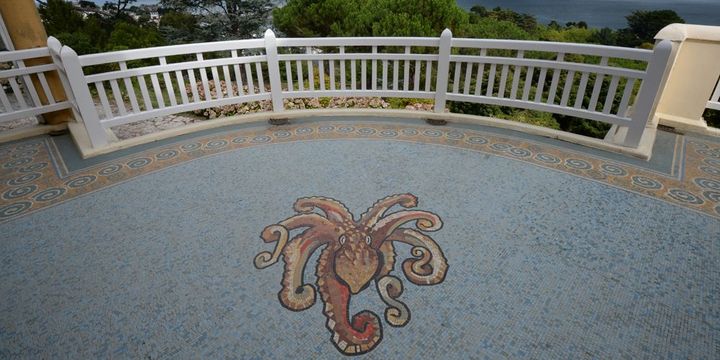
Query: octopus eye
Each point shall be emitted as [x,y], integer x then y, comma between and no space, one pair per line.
[368,239]
[342,239]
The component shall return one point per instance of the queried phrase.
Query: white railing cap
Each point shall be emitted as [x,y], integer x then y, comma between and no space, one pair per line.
[682,32]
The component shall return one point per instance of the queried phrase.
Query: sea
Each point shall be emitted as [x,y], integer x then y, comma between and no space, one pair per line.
[596,13]
[604,13]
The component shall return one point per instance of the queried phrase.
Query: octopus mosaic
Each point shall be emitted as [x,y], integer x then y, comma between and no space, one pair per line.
[356,254]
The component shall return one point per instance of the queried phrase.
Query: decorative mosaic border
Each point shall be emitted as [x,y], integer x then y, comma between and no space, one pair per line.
[31,179]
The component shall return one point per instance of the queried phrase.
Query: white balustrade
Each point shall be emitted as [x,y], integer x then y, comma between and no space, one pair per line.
[128,86]
[19,97]
[714,102]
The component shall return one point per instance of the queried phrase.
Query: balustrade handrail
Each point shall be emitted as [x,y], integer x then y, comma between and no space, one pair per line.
[26,100]
[504,72]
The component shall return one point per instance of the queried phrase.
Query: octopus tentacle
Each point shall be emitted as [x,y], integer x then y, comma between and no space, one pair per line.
[280,233]
[387,250]
[353,336]
[426,221]
[306,220]
[375,212]
[333,209]
[272,233]
[295,294]
[390,288]
[429,265]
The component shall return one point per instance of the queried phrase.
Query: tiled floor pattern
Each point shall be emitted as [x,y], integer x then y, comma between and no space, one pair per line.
[33,175]
[552,253]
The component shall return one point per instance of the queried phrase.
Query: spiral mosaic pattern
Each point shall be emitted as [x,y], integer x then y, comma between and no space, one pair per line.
[29,174]
[49,194]
[476,140]
[388,133]
[80,181]
[501,146]
[613,170]
[519,152]
[190,147]
[166,154]
[261,139]
[17,162]
[684,196]
[14,209]
[281,134]
[138,163]
[216,144]
[646,182]
[110,169]
[547,158]
[24,179]
[712,195]
[578,164]
[432,133]
[20,191]
[712,162]
[33,167]
[710,170]
[708,183]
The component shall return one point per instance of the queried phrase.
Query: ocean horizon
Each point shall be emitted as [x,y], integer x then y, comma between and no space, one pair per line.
[604,13]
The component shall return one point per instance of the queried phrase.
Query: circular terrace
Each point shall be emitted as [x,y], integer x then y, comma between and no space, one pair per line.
[482,242]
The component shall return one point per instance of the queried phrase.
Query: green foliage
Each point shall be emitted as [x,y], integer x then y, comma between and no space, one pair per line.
[523,21]
[59,16]
[531,117]
[223,19]
[305,18]
[489,28]
[712,117]
[180,28]
[401,103]
[643,25]
[96,34]
[128,36]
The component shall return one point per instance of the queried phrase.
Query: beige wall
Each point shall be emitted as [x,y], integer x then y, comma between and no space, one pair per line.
[692,77]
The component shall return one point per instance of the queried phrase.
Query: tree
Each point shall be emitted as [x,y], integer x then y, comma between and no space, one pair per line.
[226,19]
[118,7]
[180,28]
[59,16]
[370,18]
[605,36]
[130,36]
[87,4]
[643,25]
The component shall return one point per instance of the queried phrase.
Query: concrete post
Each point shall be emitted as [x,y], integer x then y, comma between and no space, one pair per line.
[26,31]
[693,76]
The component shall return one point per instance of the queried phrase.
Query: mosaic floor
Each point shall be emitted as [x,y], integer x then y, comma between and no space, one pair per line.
[383,239]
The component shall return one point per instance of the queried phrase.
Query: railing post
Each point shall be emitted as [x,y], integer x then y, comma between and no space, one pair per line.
[647,99]
[55,47]
[443,70]
[693,77]
[274,71]
[83,100]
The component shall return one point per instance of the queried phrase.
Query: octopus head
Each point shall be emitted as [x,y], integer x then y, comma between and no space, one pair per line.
[356,261]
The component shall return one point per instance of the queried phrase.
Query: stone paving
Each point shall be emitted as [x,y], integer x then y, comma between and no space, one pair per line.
[533,248]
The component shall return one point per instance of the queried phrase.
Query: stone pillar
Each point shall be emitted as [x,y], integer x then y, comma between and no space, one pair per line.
[26,31]
[692,77]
